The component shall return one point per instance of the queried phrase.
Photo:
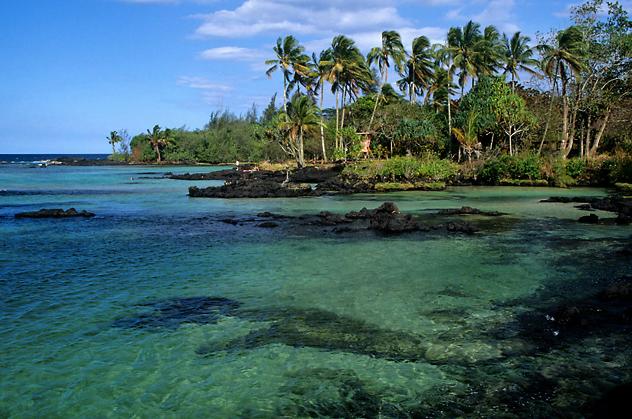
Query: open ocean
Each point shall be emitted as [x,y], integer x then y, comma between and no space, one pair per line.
[160,307]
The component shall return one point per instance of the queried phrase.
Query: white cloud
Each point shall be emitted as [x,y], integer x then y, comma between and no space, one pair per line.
[202,83]
[299,17]
[232,53]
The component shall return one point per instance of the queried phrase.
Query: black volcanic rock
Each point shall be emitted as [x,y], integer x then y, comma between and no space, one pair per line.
[55,213]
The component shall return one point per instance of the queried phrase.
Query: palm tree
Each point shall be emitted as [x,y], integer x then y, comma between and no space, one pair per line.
[488,52]
[463,44]
[348,74]
[444,74]
[290,59]
[321,66]
[158,138]
[468,136]
[418,70]
[518,56]
[391,49]
[301,117]
[563,59]
[114,139]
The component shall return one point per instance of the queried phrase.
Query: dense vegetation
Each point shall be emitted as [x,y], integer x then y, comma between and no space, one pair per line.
[461,100]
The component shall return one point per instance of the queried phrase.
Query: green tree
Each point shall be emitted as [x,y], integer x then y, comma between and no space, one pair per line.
[562,59]
[301,118]
[158,138]
[518,56]
[290,59]
[391,49]
[114,139]
[463,44]
[418,70]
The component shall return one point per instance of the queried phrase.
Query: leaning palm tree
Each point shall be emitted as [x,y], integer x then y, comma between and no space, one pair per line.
[391,49]
[289,59]
[300,118]
[518,56]
[114,139]
[418,69]
[158,139]
[561,60]
[463,44]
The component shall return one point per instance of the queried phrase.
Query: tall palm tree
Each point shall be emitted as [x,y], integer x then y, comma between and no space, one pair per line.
[391,49]
[114,139]
[158,138]
[561,60]
[300,118]
[444,74]
[290,59]
[463,43]
[348,74]
[518,56]
[418,70]
[321,66]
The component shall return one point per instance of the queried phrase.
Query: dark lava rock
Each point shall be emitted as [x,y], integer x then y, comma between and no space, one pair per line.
[251,189]
[614,404]
[589,219]
[469,211]
[387,208]
[227,174]
[604,312]
[267,224]
[172,313]
[621,289]
[622,206]
[459,227]
[55,213]
[230,221]
[584,207]
[346,185]
[315,174]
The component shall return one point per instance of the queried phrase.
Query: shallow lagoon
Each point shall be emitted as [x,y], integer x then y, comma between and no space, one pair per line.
[290,348]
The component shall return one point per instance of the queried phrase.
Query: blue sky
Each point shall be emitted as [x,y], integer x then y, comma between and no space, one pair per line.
[73,70]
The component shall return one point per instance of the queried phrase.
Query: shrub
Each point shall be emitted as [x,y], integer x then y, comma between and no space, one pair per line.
[524,166]
[429,168]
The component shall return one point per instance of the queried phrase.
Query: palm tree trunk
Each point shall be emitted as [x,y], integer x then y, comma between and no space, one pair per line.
[322,128]
[157,149]
[344,99]
[301,149]
[284,94]
[337,119]
[548,119]
[377,100]
[602,129]
[565,140]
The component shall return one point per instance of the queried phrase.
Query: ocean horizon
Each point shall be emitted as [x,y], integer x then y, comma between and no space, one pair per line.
[26,158]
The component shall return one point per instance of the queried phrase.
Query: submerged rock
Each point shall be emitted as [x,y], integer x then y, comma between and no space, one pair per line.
[469,211]
[589,219]
[172,313]
[324,330]
[609,310]
[55,213]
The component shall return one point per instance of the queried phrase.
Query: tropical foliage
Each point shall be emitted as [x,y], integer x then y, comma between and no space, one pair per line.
[480,94]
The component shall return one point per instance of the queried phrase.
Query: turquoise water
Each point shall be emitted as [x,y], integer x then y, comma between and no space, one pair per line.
[326,325]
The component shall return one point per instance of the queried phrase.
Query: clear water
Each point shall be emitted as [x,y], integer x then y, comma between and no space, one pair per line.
[65,283]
